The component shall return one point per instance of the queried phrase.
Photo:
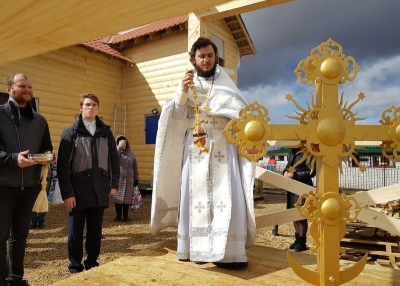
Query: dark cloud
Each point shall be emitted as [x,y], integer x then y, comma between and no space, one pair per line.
[285,34]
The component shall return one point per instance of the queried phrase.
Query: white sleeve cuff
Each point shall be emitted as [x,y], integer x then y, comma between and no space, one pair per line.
[181,97]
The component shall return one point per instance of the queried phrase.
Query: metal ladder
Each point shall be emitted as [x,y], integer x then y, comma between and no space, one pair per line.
[119,119]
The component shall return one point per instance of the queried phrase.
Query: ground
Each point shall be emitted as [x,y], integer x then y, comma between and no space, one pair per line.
[46,258]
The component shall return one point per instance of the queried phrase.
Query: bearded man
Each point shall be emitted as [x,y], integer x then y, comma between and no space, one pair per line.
[22,132]
[210,198]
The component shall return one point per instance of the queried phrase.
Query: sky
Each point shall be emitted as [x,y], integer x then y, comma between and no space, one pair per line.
[283,35]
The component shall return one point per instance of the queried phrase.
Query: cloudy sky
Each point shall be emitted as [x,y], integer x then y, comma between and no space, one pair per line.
[368,30]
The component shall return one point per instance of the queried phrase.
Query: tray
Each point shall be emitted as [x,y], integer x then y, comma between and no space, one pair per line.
[40,158]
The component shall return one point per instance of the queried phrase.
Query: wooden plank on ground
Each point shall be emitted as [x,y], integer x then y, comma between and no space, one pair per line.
[380,220]
[376,196]
[282,182]
[277,218]
[158,266]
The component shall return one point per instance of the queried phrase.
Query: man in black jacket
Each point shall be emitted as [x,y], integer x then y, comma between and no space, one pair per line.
[302,174]
[22,131]
[88,173]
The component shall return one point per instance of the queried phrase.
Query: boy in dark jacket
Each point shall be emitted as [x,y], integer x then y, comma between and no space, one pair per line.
[88,173]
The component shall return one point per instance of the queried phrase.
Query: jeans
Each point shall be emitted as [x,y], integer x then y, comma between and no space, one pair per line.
[15,217]
[38,217]
[76,224]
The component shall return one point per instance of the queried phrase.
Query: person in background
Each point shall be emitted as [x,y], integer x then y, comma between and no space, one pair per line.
[51,179]
[271,164]
[302,174]
[23,131]
[198,174]
[129,178]
[88,173]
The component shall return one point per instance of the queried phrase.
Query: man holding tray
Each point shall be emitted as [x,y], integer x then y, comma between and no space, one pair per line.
[22,131]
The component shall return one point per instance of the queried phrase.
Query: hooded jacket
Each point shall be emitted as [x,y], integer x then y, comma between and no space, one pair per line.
[21,130]
[87,166]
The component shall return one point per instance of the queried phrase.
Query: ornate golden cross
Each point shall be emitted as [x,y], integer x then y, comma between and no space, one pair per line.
[327,132]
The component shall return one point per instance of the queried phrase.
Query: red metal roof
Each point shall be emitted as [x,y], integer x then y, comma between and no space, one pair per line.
[100,45]
[104,45]
[148,29]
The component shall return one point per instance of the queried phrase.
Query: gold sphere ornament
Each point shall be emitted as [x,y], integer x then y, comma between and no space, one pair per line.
[331,68]
[398,132]
[331,131]
[331,208]
[254,131]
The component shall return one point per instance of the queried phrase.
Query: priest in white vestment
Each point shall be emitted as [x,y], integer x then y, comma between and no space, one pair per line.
[205,189]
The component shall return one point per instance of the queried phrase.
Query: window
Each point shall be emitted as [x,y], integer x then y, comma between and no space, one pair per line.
[220,45]
[3,97]
[150,128]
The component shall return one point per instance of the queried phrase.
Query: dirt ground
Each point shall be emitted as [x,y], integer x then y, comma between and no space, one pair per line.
[46,260]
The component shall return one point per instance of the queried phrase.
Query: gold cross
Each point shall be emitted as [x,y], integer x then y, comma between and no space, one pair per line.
[207,109]
[327,132]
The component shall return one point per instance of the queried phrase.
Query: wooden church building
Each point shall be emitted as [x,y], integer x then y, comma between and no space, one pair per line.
[133,73]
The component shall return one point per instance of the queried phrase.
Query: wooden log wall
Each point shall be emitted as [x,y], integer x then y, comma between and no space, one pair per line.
[60,77]
[231,52]
[159,66]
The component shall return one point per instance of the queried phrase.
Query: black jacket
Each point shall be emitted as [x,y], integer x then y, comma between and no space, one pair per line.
[302,174]
[21,130]
[87,166]
[303,171]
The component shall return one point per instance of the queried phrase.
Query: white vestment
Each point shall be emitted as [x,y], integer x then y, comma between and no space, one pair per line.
[212,192]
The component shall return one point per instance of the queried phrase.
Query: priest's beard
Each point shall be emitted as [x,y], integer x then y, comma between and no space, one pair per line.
[205,74]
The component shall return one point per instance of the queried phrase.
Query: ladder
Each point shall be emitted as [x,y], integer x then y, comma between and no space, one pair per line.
[119,119]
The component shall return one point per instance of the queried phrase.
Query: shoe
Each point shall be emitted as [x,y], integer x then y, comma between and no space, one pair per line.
[76,269]
[232,265]
[126,219]
[293,245]
[40,225]
[275,230]
[118,219]
[184,260]
[89,266]
[301,244]
[20,282]
[33,225]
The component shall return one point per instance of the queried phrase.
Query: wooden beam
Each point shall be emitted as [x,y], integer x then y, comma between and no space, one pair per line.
[282,182]
[236,31]
[241,39]
[378,196]
[231,22]
[277,218]
[155,35]
[139,40]
[35,27]
[237,7]
[380,220]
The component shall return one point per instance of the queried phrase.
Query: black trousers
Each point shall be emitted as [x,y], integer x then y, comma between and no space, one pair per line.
[15,217]
[76,223]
